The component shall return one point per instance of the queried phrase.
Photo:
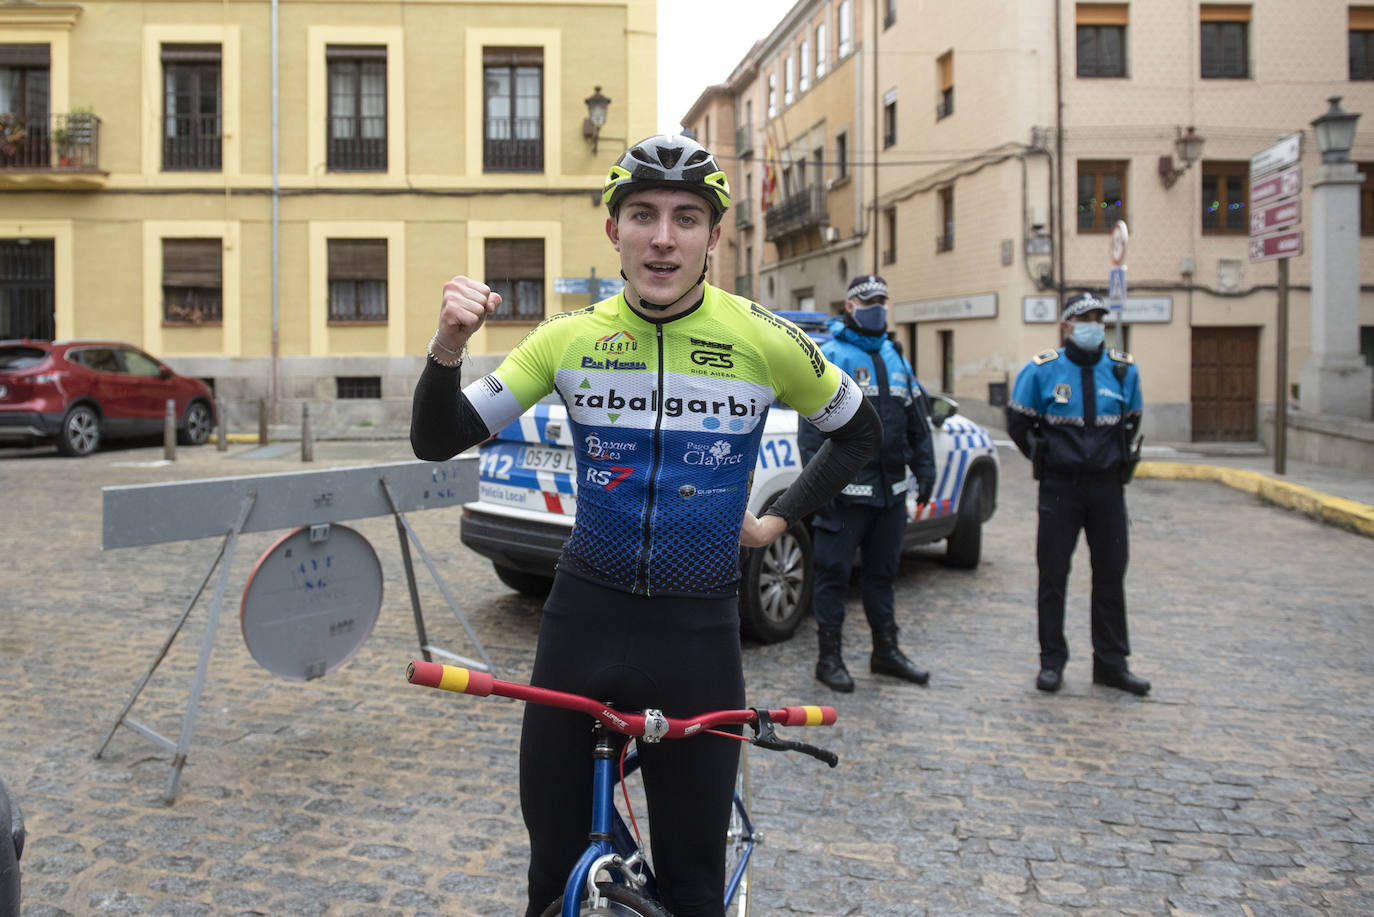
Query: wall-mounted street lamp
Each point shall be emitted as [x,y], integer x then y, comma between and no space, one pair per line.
[1335,131]
[1188,147]
[596,116]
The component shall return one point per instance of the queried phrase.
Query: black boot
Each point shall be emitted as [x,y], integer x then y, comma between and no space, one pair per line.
[830,667]
[889,660]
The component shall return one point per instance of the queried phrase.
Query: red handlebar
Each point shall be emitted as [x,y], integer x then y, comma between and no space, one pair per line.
[466,681]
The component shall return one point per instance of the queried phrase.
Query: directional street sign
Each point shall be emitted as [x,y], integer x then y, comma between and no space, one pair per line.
[607,287]
[1285,183]
[1275,216]
[1284,153]
[570,285]
[1280,245]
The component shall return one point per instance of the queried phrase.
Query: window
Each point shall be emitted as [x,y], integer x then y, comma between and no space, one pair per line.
[789,80]
[1225,41]
[846,28]
[890,233]
[805,55]
[1101,194]
[841,155]
[1361,43]
[1367,199]
[820,50]
[889,118]
[1102,39]
[947,362]
[889,14]
[945,107]
[191,137]
[1224,198]
[772,95]
[357,108]
[945,240]
[514,109]
[192,281]
[357,280]
[24,104]
[515,269]
[356,387]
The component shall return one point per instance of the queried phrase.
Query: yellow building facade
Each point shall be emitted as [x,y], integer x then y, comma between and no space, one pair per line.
[148,193]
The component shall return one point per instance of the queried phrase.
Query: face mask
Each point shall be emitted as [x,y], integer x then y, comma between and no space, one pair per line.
[1088,335]
[872,319]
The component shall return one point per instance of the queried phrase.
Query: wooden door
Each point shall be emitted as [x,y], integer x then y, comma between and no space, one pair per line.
[1225,389]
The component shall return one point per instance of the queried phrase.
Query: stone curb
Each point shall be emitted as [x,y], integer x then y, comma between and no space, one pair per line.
[1348,514]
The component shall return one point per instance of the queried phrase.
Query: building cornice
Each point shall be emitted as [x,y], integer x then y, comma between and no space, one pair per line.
[34,15]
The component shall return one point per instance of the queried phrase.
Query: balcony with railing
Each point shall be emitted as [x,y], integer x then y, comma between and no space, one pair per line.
[800,212]
[50,150]
[744,214]
[514,145]
[744,140]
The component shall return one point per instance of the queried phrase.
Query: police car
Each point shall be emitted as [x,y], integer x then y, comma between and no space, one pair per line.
[527,499]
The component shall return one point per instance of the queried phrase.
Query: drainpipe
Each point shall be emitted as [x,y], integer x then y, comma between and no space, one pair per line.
[877,121]
[276,216]
[1059,144]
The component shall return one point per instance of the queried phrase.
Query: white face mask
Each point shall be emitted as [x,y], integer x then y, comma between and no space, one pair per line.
[1088,335]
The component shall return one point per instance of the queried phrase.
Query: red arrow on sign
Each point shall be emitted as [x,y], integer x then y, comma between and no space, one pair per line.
[1279,215]
[1279,245]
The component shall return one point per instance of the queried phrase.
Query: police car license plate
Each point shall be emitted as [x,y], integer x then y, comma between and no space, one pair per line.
[542,459]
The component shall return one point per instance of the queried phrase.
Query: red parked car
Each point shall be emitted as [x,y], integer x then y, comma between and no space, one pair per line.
[78,393]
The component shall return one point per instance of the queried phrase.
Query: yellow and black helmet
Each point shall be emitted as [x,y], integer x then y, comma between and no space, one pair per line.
[671,161]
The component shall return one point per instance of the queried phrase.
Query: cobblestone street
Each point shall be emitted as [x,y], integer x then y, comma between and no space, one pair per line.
[1243,786]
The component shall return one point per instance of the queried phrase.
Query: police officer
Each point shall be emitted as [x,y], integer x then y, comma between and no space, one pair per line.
[870,513]
[1075,413]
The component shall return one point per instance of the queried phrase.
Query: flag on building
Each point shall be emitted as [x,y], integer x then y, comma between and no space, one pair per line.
[770,177]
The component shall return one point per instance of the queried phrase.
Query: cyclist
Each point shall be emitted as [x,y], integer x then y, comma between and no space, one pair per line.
[667,385]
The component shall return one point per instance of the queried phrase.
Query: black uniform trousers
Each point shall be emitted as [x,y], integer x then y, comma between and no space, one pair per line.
[877,532]
[1096,504]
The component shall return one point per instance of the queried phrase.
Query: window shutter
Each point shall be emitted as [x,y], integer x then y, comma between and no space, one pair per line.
[946,63]
[191,263]
[513,57]
[1362,18]
[357,259]
[26,55]
[1102,14]
[515,259]
[355,52]
[194,54]
[1225,12]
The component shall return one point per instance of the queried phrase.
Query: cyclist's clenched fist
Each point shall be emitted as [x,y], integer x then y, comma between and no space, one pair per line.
[466,305]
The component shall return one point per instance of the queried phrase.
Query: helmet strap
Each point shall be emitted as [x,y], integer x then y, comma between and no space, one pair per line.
[651,306]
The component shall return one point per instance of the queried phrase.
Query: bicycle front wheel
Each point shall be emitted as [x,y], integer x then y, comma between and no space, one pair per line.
[739,844]
[620,902]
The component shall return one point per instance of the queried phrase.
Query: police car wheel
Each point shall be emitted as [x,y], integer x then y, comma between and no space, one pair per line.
[965,547]
[775,587]
[530,584]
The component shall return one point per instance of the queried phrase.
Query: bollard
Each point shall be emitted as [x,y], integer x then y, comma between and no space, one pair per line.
[221,436]
[307,440]
[262,421]
[169,432]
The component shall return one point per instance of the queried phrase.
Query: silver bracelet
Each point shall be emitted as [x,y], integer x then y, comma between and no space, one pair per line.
[452,361]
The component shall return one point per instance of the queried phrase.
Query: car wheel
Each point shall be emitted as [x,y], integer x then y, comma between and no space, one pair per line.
[965,548]
[196,425]
[530,584]
[80,433]
[775,590]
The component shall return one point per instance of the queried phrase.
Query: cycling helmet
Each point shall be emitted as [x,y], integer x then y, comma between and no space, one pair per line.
[668,161]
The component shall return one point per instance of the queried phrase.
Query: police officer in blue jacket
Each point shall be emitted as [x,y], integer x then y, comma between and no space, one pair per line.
[1075,413]
[870,513]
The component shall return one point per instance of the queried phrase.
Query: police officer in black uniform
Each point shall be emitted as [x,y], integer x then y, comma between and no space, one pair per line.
[1075,413]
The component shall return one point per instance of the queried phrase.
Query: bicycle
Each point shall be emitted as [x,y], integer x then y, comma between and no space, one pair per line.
[613,878]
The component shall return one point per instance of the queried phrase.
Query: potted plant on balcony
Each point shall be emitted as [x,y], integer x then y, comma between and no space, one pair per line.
[12,133]
[73,136]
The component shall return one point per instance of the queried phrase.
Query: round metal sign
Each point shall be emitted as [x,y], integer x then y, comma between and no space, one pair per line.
[1119,238]
[311,601]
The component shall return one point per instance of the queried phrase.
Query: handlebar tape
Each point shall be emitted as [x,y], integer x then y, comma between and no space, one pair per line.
[804,716]
[449,678]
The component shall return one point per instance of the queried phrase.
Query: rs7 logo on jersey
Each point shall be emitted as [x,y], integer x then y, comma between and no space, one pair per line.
[609,478]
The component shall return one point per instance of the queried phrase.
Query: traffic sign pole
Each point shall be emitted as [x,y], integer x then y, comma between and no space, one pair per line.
[1120,236]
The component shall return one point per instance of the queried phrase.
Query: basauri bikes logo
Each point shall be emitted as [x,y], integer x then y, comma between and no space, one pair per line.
[603,450]
[716,455]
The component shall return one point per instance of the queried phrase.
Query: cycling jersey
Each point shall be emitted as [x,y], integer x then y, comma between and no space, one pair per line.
[666,419]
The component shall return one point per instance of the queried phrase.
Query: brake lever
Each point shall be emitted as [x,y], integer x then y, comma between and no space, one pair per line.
[765,736]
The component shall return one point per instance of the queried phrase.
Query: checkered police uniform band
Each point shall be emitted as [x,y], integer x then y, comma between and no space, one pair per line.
[1080,303]
[868,288]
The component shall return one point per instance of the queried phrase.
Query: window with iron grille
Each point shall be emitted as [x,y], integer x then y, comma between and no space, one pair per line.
[357,280]
[192,281]
[24,118]
[515,269]
[357,387]
[357,108]
[513,112]
[890,227]
[1101,194]
[890,118]
[1224,198]
[841,155]
[191,108]
[945,240]
[1225,41]
[1361,55]
[1101,51]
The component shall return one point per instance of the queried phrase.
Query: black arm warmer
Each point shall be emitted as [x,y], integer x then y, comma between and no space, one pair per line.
[442,420]
[840,457]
